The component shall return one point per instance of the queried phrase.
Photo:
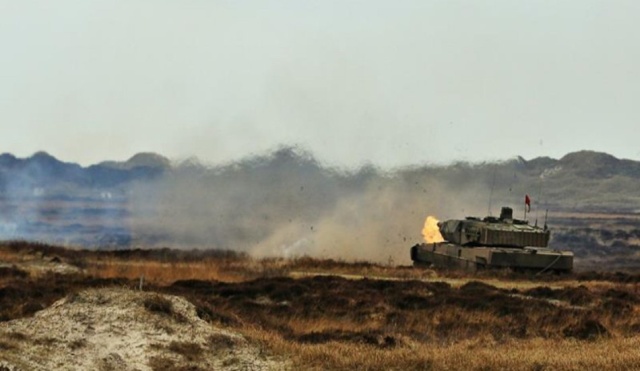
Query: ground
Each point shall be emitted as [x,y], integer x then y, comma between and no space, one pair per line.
[124,329]
[76,309]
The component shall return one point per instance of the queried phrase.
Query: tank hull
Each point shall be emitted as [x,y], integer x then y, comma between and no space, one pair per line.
[448,255]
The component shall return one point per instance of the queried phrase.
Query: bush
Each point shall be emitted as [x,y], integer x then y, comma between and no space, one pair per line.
[159,304]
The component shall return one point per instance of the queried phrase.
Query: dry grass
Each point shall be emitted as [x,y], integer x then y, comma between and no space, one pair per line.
[161,273]
[237,270]
[158,304]
[334,323]
[190,351]
[325,314]
[480,353]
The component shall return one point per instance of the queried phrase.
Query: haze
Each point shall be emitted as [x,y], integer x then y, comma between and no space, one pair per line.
[354,82]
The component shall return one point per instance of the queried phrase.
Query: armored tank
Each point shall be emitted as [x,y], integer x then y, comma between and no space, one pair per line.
[491,242]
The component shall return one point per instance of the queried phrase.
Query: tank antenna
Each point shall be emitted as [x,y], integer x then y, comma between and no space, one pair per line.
[539,197]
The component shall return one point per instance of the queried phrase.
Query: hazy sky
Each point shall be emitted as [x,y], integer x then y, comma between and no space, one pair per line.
[386,82]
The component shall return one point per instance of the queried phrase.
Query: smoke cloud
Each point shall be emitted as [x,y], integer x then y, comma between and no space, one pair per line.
[287,204]
[284,203]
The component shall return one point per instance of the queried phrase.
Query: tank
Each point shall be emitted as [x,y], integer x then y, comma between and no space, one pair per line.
[491,242]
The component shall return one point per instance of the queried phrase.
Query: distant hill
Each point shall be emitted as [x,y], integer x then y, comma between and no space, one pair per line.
[143,159]
[579,180]
[286,202]
[20,176]
[583,180]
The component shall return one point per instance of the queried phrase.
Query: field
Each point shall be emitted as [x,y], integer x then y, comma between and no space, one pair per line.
[325,314]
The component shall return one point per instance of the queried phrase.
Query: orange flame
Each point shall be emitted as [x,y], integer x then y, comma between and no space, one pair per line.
[431,232]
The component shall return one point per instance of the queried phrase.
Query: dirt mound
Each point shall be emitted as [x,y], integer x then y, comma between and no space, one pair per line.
[115,328]
[23,297]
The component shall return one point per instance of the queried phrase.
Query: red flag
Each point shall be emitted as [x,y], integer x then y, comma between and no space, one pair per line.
[527,202]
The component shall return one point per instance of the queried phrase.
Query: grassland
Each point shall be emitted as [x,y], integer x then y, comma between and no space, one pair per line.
[324,314]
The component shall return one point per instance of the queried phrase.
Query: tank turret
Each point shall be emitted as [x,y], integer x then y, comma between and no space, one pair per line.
[504,231]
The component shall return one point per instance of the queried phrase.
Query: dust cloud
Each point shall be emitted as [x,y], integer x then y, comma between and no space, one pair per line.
[286,204]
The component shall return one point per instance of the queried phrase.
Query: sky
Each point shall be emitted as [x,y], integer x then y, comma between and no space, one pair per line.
[388,83]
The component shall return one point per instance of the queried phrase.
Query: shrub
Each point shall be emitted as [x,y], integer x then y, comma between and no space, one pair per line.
[158,304]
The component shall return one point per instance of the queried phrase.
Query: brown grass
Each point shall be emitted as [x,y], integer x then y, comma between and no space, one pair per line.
[480,353]
[336,323]
[190,351]
[237,270]
[158,304]
[325,314]
[160,273]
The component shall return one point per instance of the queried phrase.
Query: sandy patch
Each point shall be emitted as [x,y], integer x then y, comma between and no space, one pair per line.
[122,329]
